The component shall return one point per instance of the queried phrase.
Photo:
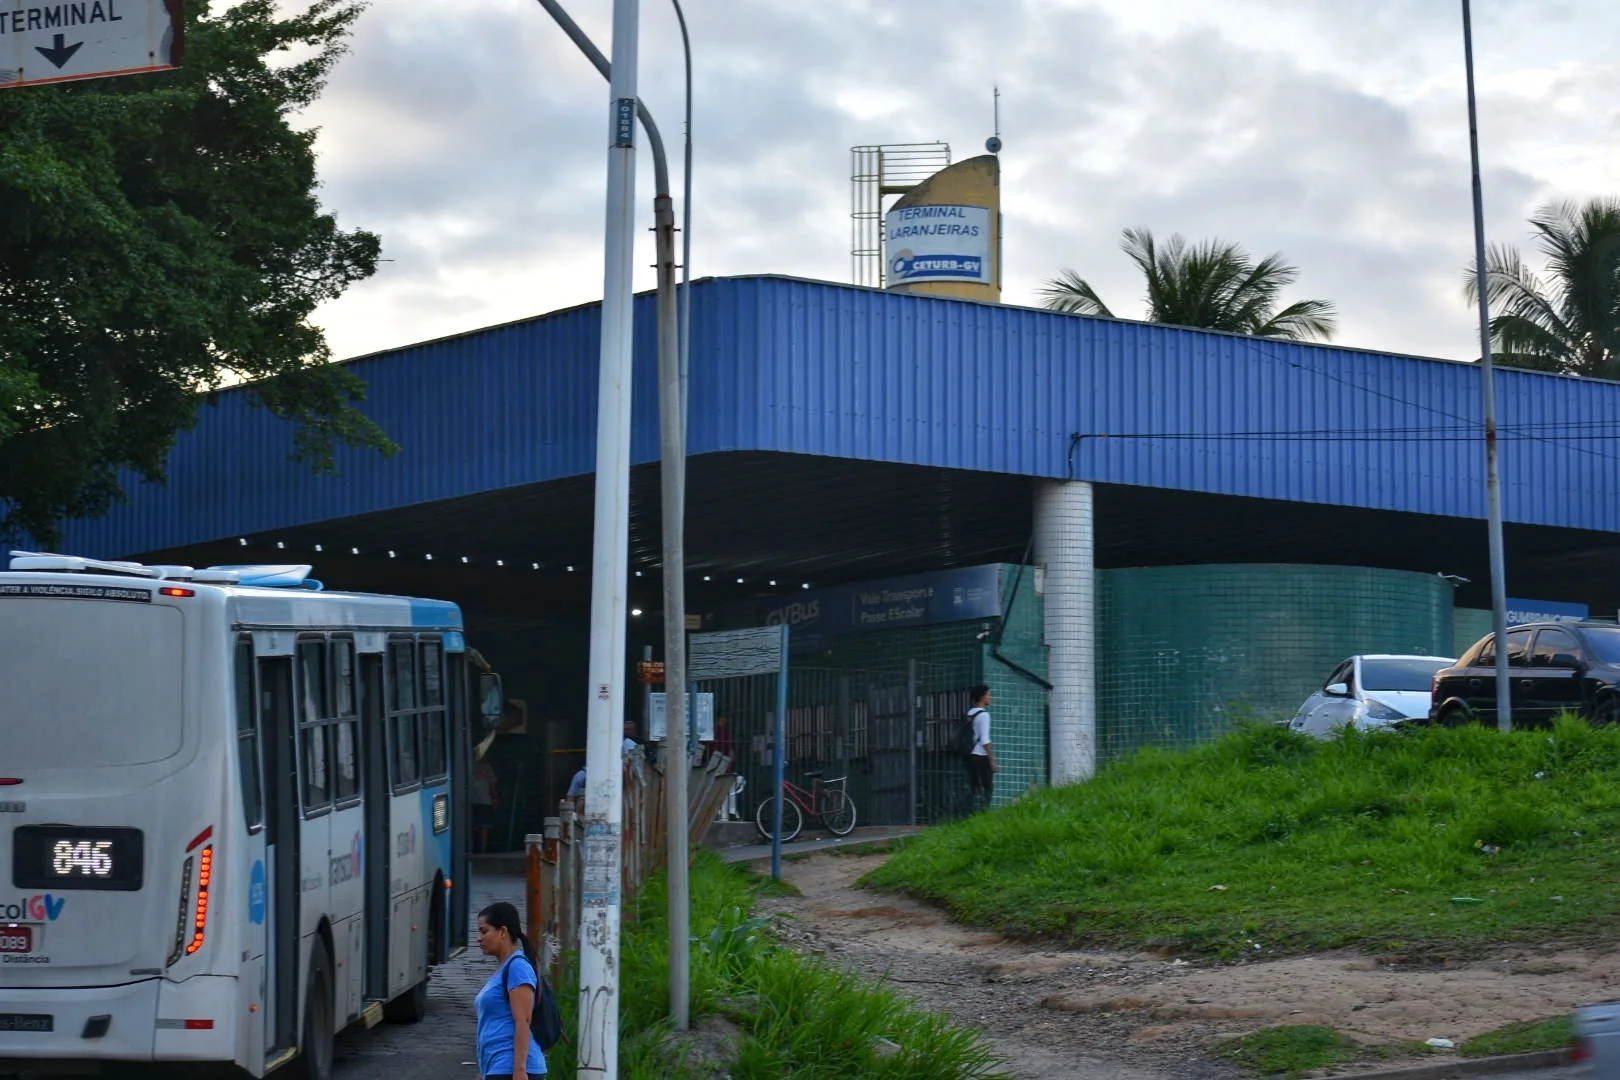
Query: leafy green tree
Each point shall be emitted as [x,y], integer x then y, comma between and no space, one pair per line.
[1213,286]
[161,238]
[1568,321]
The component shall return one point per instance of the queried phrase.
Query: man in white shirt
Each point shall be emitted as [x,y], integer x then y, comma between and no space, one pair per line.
[982,766]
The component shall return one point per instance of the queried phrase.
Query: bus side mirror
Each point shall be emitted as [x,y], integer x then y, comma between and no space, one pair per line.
[491,697]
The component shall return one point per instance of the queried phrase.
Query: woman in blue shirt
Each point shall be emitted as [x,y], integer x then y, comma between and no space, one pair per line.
[507,1000]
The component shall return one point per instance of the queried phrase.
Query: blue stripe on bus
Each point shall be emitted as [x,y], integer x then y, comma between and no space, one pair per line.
[434,613]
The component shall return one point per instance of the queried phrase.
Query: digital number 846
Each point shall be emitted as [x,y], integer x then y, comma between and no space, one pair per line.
[89,858]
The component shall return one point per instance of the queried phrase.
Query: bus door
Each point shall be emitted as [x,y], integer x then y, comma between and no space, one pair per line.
[375,797]
[458,911]
[280,728]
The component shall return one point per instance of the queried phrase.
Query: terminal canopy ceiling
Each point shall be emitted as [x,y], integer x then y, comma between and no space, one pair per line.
[792,519]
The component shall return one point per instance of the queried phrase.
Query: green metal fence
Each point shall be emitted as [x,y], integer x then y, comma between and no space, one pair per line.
[1184,651]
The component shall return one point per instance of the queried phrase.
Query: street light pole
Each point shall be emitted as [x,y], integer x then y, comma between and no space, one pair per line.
[672,400]
[672,473]
[686,226]
[1493,477]
[598,1047]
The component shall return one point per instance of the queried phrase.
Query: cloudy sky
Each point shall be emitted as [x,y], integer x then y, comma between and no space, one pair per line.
[472,137]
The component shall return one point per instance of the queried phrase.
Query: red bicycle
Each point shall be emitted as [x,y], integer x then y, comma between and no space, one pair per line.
[826,800]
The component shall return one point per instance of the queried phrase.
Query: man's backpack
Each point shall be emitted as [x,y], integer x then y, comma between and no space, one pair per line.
[545,1019]
[963,738]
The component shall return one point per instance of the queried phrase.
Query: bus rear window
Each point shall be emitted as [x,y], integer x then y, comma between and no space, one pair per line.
[89,683]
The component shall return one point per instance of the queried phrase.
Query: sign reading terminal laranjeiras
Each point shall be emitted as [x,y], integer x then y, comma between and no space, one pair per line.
[937,243]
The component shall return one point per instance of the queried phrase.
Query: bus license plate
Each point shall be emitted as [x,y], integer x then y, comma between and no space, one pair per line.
[26,1022]
[16,939]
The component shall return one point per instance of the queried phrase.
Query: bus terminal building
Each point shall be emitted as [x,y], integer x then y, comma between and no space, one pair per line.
[1133,533]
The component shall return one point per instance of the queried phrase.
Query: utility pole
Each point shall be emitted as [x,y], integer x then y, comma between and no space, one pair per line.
[599,967]
[1487,374]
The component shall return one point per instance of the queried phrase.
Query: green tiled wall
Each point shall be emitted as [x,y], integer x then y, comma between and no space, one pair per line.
[1472,624]
[1018,706]
[1183,651]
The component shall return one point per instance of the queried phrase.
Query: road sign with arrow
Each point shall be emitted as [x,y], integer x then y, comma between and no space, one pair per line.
[48,41]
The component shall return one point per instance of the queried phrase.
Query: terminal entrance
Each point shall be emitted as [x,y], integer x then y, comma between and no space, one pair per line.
[767,529]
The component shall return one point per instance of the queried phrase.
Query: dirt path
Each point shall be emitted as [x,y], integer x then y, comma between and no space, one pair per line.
[1058,1014]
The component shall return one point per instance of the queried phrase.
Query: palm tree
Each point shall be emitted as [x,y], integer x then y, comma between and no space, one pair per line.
[1569,322]
[1214,286]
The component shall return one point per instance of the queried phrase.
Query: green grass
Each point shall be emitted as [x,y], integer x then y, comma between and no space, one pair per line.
[796,1016]
[1381,840]
[1291,1050]
[1526,1037]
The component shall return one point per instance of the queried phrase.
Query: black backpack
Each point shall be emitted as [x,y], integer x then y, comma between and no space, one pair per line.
[545,1019]
[962,737]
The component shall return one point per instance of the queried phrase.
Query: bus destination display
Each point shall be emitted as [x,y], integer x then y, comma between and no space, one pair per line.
[72,857]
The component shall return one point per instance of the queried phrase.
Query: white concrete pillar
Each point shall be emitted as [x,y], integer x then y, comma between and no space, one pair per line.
[1065,548]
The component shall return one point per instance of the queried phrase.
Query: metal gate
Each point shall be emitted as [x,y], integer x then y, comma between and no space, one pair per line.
[883,731]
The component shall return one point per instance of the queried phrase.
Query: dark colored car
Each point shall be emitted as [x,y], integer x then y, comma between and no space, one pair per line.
[1552,668]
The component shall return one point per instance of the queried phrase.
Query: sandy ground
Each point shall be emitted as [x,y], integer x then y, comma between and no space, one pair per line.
[1056,1013]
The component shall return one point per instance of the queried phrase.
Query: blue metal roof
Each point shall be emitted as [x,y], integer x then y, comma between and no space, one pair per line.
[816,368]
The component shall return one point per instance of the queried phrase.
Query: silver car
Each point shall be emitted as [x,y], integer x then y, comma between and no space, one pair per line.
[1597,1039]
[1370,691]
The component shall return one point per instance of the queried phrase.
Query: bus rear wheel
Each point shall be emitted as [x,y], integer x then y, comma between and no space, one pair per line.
[410,1007]
[314,1061]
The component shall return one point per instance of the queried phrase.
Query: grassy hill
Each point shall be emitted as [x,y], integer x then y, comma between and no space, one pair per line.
[1268,843]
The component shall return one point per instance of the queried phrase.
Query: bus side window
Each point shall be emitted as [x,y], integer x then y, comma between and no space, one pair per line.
[346,778]
[314,735]
[402,685]
[345,756]
[433,742]
[402,698]
[343,703]
[247,737]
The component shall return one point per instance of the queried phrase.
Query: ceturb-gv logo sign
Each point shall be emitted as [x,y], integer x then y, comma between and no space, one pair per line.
[32,908]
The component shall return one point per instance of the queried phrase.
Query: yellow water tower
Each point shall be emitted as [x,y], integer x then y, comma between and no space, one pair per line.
[943,237]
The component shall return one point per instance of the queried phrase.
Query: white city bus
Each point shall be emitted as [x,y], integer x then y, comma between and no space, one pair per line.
[233,814]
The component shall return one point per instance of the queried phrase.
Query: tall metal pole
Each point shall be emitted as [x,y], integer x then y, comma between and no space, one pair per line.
[1493,477]
[686,228]
[673,481]
[599,971]
[781,758]
[672,411]
[672,414]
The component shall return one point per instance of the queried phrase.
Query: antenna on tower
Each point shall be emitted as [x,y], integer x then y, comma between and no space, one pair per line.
[993,143]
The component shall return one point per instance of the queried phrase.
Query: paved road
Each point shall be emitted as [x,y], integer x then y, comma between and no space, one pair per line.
[441,1047]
